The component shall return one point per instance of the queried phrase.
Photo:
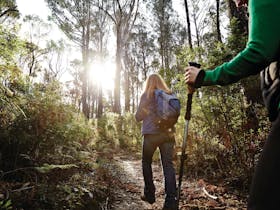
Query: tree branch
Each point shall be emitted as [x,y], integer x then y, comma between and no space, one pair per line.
[13,9]
[107,13]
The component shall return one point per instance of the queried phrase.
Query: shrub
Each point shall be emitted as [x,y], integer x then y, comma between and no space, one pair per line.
[50,131]
[116,131]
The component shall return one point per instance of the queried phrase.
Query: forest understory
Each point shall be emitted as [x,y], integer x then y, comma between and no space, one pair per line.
[71,78]
[195,193]
[116,184]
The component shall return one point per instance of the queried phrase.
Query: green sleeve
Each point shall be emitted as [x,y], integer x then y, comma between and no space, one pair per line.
[262,46]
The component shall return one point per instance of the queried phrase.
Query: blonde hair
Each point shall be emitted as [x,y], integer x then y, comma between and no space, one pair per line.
[153,82]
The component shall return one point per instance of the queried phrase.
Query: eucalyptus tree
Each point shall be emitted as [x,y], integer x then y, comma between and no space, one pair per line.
[74,87]
[168,33]
[143,47]
[35,36]
[128,73]
[162,14]
[76,19]
[140,56]
[214,18]
[10,44]
[123,15]
[8,32]
[100,40]
[198,10]
[8,8]
[57,59]
[73,18]
[11,80]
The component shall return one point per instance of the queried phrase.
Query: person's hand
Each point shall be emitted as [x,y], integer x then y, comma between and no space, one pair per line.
[191,74]
[190,77]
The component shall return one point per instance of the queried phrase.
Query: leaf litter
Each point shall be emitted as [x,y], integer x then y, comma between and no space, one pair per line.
[196,194]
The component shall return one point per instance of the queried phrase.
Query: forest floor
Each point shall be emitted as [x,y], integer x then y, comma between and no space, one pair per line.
[198,194]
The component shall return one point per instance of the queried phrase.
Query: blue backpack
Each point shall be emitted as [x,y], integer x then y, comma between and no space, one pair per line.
[168,109]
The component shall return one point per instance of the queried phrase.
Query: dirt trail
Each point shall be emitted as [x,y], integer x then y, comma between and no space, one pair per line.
[131,185]
[196,194]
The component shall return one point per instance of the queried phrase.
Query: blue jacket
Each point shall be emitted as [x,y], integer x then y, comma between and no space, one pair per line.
[147,112]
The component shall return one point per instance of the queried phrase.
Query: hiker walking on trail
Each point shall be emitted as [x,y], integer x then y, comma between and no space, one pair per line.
[156,137]
[261,52]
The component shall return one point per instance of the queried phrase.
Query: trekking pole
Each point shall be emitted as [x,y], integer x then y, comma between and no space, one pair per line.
[184,144]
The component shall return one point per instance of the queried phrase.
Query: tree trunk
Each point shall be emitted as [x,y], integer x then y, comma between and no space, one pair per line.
[100,103]
[85,49]
[196,30]
[84,76]
[162,34]
[127,91]
[93,107]
[188,24]
[219,36]
[99,112]
[133,96]
[117,104]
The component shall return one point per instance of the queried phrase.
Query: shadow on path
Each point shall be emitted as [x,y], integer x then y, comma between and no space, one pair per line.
[128,184]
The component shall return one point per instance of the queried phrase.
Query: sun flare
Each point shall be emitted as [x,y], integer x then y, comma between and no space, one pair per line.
[103,74]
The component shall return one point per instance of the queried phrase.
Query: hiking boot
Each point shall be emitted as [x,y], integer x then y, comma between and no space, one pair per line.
[150,200]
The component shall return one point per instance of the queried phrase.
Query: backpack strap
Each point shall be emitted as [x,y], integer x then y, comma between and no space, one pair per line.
[270,86]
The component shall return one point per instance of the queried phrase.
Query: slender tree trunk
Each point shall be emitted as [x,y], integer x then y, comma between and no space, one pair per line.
[100,103]
[145,68]
[133,96]
[162,33]
[99,112]
[123,16]
[85,50]
[117,104]
[93,105]
[219,36]
[127,91]
[188,24]
[84,76]
[196,30]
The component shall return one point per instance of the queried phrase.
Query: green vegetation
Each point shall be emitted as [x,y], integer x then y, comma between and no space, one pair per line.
[57,137]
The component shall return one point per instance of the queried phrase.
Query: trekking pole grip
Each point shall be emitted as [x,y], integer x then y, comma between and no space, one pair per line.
[190,94]
[189,107]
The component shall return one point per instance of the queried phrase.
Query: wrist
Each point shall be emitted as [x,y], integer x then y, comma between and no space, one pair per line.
[199,79]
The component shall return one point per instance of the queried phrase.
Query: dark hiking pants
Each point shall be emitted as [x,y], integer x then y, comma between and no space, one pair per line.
[265,187]
[165,143]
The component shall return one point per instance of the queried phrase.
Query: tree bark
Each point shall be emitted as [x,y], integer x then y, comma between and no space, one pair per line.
[85,57]
[127,91]
[219,36]
[188,24]
[117,103]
